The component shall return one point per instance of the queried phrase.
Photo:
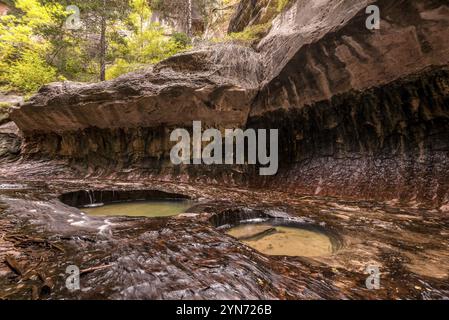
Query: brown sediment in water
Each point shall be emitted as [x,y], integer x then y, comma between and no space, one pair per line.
[188,257]
[285,241]
[140,209]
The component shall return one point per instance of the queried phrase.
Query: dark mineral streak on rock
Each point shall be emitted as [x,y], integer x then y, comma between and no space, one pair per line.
[10,142]
[389,142]
[251,12]
[361,113]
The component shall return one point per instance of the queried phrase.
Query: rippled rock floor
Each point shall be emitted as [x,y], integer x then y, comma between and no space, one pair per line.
[187,257]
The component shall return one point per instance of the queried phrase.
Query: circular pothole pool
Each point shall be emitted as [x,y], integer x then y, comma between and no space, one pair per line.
[151,208]
[133,203]
[284,238]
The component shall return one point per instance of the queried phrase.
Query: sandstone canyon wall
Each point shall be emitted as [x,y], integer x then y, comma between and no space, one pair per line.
[361,113]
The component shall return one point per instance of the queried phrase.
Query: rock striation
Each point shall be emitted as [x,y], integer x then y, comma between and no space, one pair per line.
[211,85]
[361,113]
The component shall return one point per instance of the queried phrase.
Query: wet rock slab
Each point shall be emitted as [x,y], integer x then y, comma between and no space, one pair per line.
[187,257]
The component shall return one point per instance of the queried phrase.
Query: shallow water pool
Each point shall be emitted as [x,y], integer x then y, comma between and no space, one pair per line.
[156,208]
[272,239]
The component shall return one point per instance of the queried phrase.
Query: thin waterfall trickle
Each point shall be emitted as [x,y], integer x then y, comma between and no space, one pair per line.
[91,196]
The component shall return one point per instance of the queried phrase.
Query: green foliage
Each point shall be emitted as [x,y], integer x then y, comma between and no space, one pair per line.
[5,105]
[152,45]
[140,13]
[250,34]
[181,39]
[148,44]
[281,4]
[29,73]
[148,47]
[36,48]
[23,46]
[254,33]
[121,67]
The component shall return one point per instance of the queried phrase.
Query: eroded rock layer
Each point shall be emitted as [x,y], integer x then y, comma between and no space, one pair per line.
[208,85]
[317,49]
[389,142]
[361,113]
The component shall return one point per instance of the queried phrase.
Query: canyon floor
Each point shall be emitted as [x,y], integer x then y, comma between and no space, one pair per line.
[188,257]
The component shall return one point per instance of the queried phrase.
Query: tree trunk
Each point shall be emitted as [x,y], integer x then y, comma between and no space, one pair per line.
[103,50]
[189,18]
[103,44]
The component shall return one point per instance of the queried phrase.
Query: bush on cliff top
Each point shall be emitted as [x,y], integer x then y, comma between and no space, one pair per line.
[29,73]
